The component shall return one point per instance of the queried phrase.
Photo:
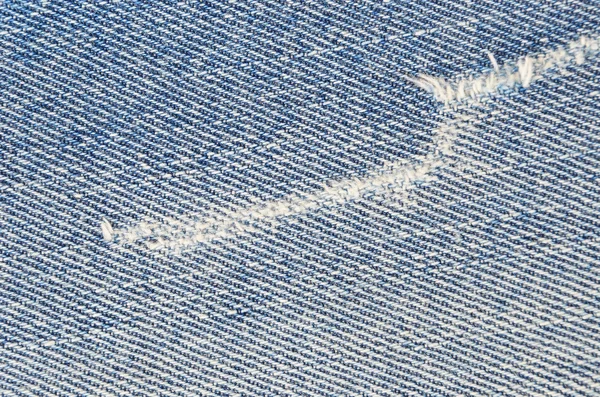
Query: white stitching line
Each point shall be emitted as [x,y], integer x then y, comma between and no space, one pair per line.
[397,179]
[162,302]
[174,233]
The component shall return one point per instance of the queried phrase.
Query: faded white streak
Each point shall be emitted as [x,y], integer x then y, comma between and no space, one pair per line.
[395,179]
[177,233]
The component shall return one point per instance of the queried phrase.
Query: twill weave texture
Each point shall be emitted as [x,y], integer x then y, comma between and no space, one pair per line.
[299,198]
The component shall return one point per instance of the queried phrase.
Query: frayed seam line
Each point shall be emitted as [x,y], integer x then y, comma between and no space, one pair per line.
[178,233]
[398,179]
[522,73]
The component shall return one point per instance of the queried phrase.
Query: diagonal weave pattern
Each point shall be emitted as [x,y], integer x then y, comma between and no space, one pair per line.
[447,244]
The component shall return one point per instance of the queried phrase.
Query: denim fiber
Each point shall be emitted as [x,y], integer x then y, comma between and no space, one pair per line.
[300,198]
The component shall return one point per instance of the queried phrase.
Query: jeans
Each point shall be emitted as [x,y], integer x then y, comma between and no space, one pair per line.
[299,198]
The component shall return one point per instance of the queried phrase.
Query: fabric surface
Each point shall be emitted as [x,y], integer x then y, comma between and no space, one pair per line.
[299,198]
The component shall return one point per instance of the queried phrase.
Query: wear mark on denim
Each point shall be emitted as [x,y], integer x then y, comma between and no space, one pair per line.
[524,72]
[178,233]
[396,179]
[107,230]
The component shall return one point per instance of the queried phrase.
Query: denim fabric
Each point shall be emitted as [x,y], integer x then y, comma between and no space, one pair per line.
[299,198]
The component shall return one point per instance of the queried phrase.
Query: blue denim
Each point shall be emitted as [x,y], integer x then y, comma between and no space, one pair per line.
[280,198]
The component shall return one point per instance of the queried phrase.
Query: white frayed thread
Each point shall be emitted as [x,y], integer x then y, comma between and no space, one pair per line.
[107,230]
[181,233]
[397,178]
[523,73]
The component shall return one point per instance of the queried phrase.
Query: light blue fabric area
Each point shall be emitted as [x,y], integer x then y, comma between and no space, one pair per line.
[229,198]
